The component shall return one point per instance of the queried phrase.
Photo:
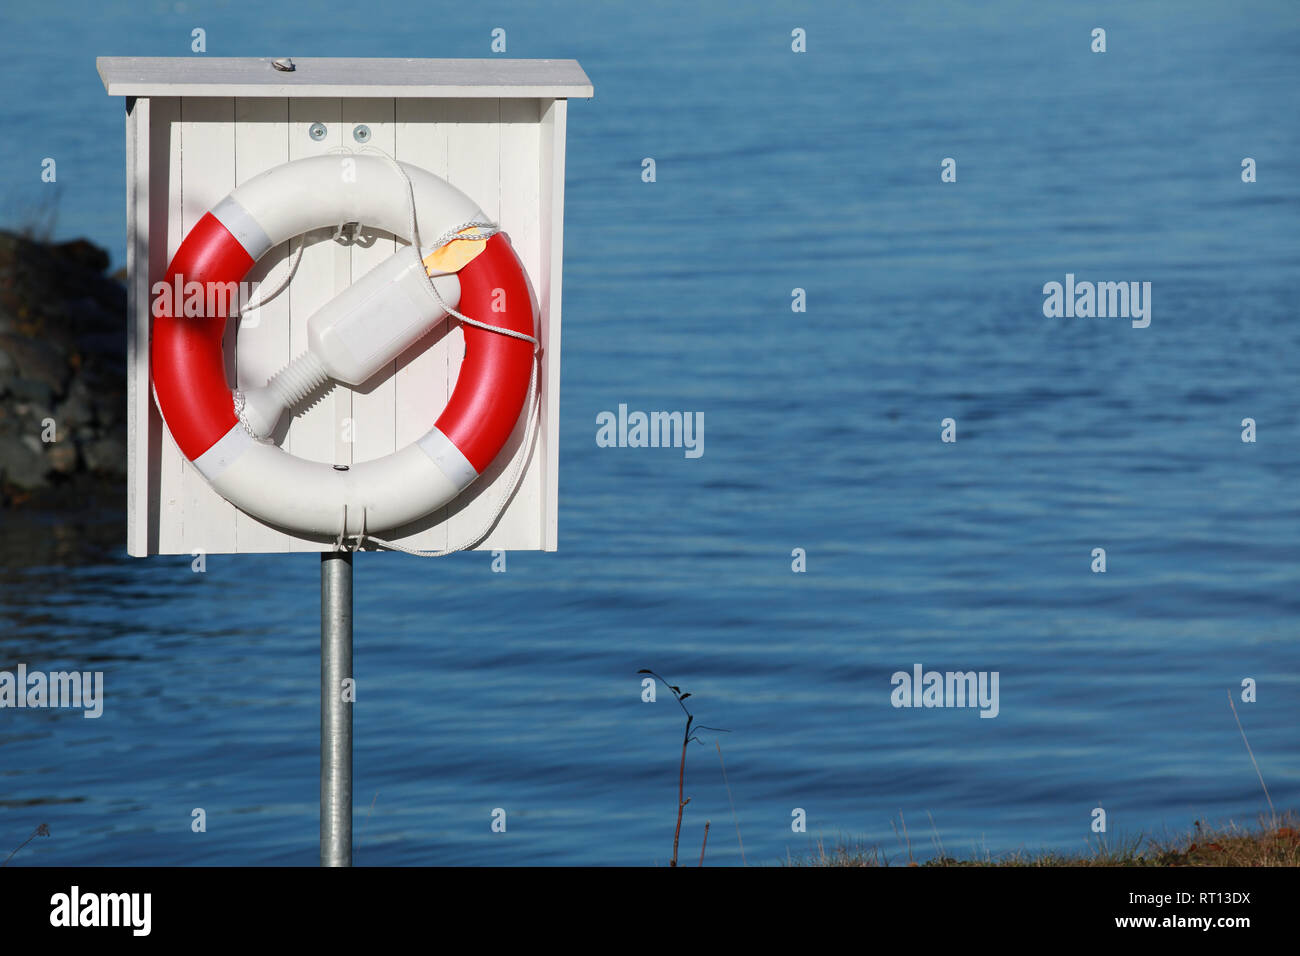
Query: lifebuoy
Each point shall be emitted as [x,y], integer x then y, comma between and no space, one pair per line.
[361,330]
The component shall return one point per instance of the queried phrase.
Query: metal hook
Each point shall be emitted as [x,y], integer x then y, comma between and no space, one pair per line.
[338,542]
[358,538]
[365,527]
[350,240]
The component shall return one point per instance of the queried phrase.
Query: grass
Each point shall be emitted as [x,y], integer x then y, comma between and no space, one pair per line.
[1275,841]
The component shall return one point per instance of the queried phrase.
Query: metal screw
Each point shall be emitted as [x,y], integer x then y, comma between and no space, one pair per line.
[284,64]
[362,133]
[317,131]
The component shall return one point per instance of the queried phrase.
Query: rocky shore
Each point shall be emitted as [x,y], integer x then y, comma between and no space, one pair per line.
[62,373]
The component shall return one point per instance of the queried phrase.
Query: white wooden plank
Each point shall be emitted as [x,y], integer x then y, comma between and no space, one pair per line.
[171,473]
[372,433]
[137,328]
[163,170]
[473,167]
[207,175]
[342,76]
[421,383]
[261,143]
[520,212]
[324,270]
[553,132]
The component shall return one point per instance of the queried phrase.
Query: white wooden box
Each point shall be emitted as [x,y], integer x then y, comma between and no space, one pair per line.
[198,127]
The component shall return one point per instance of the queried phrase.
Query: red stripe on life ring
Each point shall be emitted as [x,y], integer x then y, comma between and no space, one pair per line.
[493,382]
[189,375]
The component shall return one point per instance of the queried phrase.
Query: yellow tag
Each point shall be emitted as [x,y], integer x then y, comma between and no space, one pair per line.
[456,254]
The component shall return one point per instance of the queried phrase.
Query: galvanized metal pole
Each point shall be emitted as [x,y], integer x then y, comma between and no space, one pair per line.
[335,711]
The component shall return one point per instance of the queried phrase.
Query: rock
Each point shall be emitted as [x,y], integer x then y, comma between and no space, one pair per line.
[38,360]
[107,454]
[30,390]
[62,457]
[62,357]
[82,253]
[77,409]
[19,466]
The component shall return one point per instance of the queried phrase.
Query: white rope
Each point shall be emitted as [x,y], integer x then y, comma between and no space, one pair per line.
[486,231]
[511,486]
[259,300]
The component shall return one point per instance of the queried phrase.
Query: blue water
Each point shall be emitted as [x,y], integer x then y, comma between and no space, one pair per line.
[775,170]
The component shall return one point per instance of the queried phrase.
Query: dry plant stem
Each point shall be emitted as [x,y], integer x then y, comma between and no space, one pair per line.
[937,838]
[706,841]
[1233,705]
[17,848]
[42,830]
[682,799]
[733,804]
[681,787]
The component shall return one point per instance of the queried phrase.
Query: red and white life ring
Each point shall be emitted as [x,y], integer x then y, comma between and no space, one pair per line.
[381,313]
